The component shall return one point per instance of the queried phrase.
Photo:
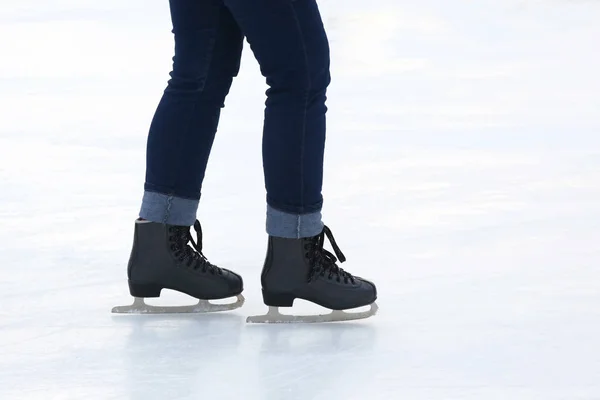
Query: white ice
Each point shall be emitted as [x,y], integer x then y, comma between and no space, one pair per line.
[462,175]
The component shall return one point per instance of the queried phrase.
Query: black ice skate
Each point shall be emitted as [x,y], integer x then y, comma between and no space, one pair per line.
[162,258]
[303,269]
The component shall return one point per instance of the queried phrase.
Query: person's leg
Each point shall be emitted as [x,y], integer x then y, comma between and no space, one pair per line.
[208,46]
[289,41]
[290,44]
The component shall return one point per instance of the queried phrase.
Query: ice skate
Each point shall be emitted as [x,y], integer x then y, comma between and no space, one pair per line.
[167,257]
[303,269]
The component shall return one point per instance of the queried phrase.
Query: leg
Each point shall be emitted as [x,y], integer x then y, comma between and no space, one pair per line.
[290,44]
[289,41]
[208,46]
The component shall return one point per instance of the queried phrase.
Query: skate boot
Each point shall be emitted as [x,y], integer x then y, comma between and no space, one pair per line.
[167,257]
[303,269]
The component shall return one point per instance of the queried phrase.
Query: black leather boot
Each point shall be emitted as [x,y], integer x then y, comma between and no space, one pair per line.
[167,257]
[303,269]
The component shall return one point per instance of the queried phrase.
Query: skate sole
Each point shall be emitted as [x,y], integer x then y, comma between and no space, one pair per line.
[273,316]
[139,306]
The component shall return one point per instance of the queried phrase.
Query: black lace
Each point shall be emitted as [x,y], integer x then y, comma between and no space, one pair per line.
[180,236]
[322,261]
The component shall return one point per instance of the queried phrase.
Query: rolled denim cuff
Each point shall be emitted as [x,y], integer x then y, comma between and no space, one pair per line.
[168,209]
[293,226]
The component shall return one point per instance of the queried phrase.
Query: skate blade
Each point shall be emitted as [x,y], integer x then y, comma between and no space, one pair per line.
[273,316]
[139,306]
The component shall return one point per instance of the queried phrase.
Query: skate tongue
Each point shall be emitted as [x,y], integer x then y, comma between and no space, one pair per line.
[194,253]
[324,261]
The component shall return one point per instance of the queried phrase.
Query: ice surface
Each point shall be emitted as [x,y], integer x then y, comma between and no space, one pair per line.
[462,175]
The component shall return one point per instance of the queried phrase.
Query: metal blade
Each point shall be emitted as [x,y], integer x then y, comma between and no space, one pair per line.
[139,306]
[274,316]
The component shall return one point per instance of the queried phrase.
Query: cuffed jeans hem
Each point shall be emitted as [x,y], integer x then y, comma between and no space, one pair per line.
[168,209]
[293,226]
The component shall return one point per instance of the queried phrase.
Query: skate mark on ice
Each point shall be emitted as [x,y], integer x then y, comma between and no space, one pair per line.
[274,316]
[139,306]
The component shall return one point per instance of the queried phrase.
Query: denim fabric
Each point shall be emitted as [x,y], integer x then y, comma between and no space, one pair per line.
[157,207]
[208,46]
[288,39]
[293,226]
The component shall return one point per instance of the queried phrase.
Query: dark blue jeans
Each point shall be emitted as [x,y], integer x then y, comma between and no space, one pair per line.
[288,39]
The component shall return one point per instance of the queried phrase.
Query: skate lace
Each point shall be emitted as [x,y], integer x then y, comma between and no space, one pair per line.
[180,236]
[323,262]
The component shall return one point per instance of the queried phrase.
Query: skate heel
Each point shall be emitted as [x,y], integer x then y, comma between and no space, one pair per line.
[278,299]
[144,289]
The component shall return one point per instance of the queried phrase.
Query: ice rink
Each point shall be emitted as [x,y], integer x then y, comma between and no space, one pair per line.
[462,176]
